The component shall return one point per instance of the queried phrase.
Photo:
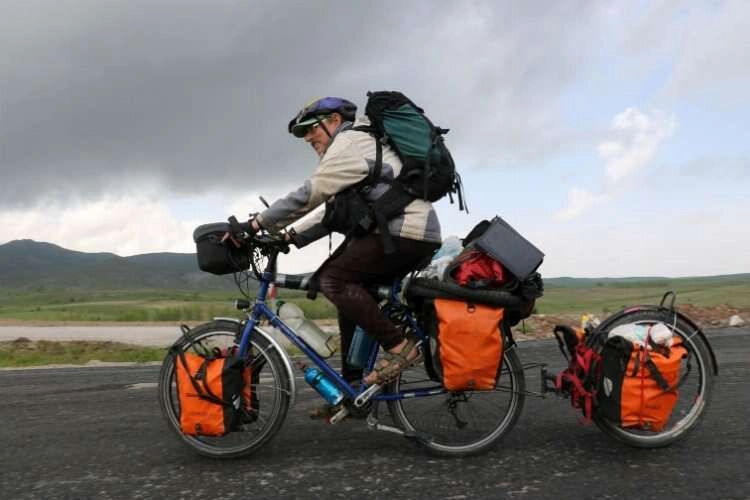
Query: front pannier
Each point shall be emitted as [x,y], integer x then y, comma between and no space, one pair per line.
[215,256]
[470,344]
[213,391]
[638,385]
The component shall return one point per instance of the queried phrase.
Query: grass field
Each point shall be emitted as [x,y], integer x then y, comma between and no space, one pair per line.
[561,296]
[23,352]
[136,306]
[607,298]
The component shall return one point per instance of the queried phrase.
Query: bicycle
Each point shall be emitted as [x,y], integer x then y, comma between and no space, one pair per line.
[445,423]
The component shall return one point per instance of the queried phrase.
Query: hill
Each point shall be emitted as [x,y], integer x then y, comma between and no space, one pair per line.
[33,265]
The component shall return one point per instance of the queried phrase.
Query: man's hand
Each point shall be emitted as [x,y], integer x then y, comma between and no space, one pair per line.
[228,236]
[249,228]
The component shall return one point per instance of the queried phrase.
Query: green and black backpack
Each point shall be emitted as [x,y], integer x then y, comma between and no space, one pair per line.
[428,170]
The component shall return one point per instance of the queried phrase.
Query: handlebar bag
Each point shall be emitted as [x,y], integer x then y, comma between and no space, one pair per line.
[215,256]
[213,391]
[638,388]
[470,344]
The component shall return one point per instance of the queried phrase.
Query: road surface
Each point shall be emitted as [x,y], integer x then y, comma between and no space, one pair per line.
[97,433]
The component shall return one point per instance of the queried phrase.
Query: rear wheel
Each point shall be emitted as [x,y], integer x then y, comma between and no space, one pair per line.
[693,395]
[460,423]
[272,388]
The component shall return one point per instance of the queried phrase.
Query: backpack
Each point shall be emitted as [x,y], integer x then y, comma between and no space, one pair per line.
[469,345]
[638,385]
[214,392]
[427,172]
[579,379]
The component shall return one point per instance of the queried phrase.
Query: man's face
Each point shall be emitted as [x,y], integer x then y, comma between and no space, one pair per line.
[319,134]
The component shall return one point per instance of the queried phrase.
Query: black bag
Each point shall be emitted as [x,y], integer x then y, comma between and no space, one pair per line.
[504,244]
[216,257]
[348,213]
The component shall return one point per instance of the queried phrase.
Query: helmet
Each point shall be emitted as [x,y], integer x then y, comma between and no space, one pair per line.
[318,108]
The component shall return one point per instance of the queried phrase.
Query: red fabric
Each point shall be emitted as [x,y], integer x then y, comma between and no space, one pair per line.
[479,267]
[572,379]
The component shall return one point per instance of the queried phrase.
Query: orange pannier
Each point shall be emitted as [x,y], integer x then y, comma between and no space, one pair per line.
[212,391]
[638,388]
[470,344]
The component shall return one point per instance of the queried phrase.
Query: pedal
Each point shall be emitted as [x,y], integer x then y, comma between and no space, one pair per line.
[339,415]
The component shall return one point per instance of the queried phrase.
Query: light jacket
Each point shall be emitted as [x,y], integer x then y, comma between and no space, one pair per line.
[349,159]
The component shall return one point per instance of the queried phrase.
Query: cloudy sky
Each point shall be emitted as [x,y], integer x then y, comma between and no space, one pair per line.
[614,135]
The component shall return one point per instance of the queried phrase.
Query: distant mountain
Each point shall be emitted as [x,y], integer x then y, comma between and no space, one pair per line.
[28,264]
[33,265]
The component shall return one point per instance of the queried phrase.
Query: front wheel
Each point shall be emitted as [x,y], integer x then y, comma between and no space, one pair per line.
[693,394]
[270,387]
[460,423]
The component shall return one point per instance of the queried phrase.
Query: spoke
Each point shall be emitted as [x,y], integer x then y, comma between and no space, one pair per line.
[273,388]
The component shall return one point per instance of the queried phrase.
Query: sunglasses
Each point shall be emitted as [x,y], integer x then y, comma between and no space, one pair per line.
[315,125]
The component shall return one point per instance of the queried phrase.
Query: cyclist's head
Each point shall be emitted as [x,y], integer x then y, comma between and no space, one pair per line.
[315,111]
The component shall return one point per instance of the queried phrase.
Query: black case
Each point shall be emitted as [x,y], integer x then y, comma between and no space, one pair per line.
[504,244]
[216,257]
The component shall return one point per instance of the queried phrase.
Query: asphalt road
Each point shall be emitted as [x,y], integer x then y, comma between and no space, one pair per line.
[97,433]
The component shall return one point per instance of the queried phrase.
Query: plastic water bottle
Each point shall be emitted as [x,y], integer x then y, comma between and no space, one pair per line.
[360,349]
[325,387]
[320,341]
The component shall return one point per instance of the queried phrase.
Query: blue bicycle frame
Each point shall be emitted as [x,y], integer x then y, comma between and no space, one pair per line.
[260,310]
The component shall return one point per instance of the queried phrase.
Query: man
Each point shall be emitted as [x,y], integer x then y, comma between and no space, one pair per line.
[348,157]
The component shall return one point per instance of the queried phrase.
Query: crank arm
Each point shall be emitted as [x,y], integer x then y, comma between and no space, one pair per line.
[363,398]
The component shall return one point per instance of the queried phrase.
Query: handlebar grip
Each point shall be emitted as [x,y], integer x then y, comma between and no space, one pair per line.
[240,227]
[293,281]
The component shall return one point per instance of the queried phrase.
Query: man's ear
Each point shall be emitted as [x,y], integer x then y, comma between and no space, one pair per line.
[336,119]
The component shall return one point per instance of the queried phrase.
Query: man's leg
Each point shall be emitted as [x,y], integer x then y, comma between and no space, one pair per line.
[365,262]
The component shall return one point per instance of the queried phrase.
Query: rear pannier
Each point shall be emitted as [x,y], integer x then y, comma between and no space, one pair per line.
[470,344]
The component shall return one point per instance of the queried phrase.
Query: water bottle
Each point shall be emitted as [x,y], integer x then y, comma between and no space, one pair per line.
[320,341]
[325,387]
[360,349]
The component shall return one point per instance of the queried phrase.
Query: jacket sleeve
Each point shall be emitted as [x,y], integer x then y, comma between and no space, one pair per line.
[341,166]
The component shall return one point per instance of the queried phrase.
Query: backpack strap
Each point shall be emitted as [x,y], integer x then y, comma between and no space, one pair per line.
[393,201]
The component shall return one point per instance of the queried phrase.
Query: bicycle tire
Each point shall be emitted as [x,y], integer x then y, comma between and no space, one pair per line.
[273,397]
[431,416]
[693,396]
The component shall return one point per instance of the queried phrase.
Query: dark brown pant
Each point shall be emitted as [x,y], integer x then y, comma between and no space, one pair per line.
[362,263]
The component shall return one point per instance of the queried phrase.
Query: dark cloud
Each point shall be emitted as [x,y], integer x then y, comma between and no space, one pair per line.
[101,94]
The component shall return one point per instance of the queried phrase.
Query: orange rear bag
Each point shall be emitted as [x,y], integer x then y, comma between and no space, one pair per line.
[638,388]
[212,392]
[470,344]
